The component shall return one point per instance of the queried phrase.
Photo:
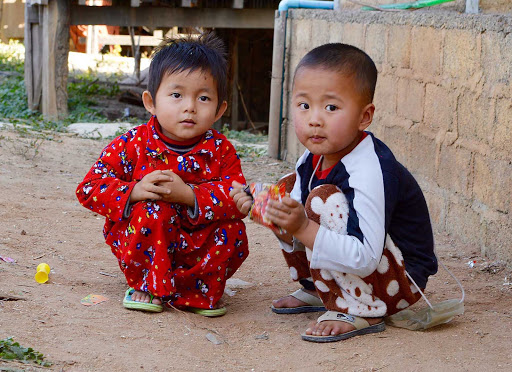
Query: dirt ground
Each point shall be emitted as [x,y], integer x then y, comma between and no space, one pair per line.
[42,221]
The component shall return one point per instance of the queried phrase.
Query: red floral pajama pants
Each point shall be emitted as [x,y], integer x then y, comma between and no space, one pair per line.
[161,252]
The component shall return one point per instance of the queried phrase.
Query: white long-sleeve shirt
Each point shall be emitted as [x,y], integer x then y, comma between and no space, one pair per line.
[383,198]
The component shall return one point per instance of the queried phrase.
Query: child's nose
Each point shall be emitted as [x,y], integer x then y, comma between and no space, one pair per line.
[315,120]
[190,105]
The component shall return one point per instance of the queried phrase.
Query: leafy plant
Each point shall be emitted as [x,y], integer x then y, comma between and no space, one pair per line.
[83,92]
[249,152]
[245,142]
[11,350]
[243,136]
[12,56]
[13,101]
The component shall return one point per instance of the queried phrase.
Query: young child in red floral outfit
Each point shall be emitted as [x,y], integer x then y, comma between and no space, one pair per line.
[164,186]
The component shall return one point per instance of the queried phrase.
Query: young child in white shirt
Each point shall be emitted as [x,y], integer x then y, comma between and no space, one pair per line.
[358,232]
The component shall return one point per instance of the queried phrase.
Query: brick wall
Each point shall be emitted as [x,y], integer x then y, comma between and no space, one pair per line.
[444,106]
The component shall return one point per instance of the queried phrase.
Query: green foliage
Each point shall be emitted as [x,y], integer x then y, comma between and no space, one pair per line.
[10,350]
[84,91]
[244,143]
[249,152]
[12,56]
[243,136]
[13,101]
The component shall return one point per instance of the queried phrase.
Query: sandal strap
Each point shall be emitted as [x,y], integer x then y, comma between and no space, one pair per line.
[304,296]
[356,321]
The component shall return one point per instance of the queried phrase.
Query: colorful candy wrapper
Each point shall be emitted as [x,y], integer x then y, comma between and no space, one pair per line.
[261,194]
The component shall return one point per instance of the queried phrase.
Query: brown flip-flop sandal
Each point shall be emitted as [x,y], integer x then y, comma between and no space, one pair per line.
[361,324]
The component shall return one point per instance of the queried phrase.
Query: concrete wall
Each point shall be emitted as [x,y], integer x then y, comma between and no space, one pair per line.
[444,106]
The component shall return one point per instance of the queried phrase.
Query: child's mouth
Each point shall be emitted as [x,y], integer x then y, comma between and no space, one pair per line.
[316,139]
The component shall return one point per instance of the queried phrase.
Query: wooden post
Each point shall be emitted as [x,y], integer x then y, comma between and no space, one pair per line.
[136,55]
[234,88]
[92,46]
[276,86]
[238,4]
[54,59]
[33,52]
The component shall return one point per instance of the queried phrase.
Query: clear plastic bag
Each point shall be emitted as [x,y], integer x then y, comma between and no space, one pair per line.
[430,316]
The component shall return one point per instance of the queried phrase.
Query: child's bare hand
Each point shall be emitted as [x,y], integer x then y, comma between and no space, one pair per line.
[149,188]
[179,191]
[288,214]
[242,200]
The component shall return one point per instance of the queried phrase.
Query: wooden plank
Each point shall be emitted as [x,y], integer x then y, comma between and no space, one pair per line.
[126,40]
[235,124]
[54,59]
[33,45]
[238,4]
[93,46]
[169,17]
[135,3]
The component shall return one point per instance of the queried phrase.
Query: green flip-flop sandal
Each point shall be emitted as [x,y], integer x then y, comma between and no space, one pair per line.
[141,306]
[208,312]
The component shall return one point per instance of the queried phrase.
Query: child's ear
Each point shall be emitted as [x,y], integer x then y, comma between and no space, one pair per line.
[367,116]
[148,102]
[221,110]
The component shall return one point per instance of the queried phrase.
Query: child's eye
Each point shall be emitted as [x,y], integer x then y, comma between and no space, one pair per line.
[175,95]
[304,106]
[204,98]
[331,108]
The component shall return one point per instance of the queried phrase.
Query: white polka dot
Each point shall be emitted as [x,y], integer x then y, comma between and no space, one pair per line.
[414,289]
[341,303]
[321,286]
[325,274]
[383,265]
[392,288]
[293,273]
[402,304]
[397,254]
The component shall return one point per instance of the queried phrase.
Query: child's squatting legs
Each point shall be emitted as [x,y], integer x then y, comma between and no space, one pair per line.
[384,292]
[161,253]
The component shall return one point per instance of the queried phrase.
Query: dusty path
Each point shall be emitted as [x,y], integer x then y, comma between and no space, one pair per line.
[41,220]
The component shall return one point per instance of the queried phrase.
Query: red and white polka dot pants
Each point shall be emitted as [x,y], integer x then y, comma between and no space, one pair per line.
[384,292]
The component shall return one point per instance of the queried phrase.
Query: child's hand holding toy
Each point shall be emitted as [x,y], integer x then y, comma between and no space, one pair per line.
[254,198]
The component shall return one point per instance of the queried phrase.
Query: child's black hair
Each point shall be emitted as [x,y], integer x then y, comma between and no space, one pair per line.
[346,59]
[207,53]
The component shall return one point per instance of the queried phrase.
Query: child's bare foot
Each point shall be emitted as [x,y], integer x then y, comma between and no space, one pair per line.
[291,301]
[145,297]
[335,327]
